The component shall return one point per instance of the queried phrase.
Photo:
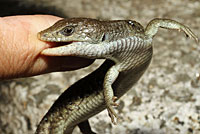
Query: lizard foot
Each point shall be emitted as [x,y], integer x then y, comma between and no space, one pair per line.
[188,33]
[111,110]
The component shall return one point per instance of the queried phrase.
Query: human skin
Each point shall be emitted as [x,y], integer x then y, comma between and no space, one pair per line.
[20,48]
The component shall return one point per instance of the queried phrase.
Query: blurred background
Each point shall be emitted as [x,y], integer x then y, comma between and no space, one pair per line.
[165,101]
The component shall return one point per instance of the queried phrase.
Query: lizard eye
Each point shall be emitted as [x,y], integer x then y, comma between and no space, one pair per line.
[67,31]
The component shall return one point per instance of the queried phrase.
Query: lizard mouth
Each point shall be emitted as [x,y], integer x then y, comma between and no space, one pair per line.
[56,48]
[54,44]
[57,44]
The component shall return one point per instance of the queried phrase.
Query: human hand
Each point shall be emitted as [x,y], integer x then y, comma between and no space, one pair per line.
[20,48]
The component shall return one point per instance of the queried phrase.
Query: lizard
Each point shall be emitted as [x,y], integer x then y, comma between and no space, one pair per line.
[127,47]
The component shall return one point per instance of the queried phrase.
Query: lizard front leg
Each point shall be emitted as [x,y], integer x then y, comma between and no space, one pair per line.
[110,99]
[153,25]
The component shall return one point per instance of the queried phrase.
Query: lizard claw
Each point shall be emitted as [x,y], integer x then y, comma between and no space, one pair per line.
[189,33]
[113,103]
[111,110]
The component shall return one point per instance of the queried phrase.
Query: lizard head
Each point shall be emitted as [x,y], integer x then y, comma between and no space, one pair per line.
[72,30]
[86,31]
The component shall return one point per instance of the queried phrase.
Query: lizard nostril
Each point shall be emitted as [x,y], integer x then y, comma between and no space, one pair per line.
[45,34]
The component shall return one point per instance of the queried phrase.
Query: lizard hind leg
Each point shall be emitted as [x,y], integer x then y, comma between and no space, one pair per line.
[153,25]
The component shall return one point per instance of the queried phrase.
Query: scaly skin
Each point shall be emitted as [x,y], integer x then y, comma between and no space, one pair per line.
[127,48]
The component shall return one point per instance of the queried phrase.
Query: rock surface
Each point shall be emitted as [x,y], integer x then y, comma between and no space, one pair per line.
[165,101]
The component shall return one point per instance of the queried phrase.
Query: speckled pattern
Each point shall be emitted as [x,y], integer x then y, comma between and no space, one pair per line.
[163,102]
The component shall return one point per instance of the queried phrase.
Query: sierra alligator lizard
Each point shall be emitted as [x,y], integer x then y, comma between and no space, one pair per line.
[127,48]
